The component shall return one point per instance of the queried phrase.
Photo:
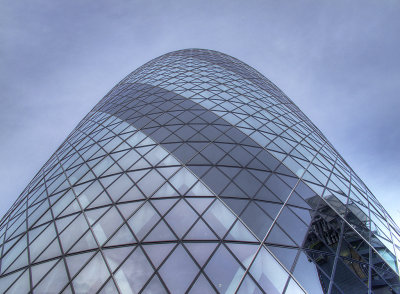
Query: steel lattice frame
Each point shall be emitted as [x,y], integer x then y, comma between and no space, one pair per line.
[197,174]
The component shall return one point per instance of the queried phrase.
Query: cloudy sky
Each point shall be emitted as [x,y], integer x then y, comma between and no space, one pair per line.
[337,60]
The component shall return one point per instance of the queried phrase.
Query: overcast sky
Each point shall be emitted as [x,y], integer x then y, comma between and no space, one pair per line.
[337,60]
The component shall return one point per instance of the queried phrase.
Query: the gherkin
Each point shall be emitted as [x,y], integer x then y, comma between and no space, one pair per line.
[196,174]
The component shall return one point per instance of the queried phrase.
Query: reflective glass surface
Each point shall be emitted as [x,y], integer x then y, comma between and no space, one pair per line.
[196,174]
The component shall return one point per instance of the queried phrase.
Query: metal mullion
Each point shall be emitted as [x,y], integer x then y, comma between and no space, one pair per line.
[58,238]
[91,230]
[268,232]
[340,242]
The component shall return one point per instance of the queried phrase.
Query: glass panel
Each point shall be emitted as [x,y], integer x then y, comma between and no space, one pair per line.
[92,277]
[134,272]
[178,271]
[201,286]
[155,286]
[150,183]
[351,281]
[6,281]
[78,261]
[20,286]
[181,218]
[55,281]
[40,270]
[106,226]
[310,276]
[158,252]
[268,272]
[294,288]
[143,220]
[183,180]
[224,271]
[119,187]
[295,228]
[249,287]
[256,220]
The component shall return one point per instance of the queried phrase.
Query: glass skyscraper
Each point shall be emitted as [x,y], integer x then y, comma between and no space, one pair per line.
[196,174]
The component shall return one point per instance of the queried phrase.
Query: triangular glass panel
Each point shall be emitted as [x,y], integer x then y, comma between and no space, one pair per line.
[160,233]
[40,270]
[201,286]
[76,262]
[20,261]
[122,236]
[284,254]
[89,176]
[134,272]
[166,190]
[33,233]
[293,287]
[92,277]
[158,252]
[109,287]
[233,191]
[86,197]
[106,226]
[51,251]
[154,286]
[310,276]
[200,231]
[62,223]
[248,286]
[103,199]
[237,205]
[268,272]
[117,155]
[41,242]
[200,204]
[199,189]
[94,214]
[277,236]
[143,220]
[133,194]
[45,218]
[244,252]
[183,180]
[219,217]
[156,155]
[20,286]
[150,183]
[140,164]
[201,251]
[272,209]
[224,271]
[168,161]
[163,205]
[72,208]
[181,218]
[127,209]
[179,270]
[116,256]
[85,243]
[119,187]
[167,172]
[107,181]
[129,159]
[240,233]
[54,281]
[199,159]
[114,169]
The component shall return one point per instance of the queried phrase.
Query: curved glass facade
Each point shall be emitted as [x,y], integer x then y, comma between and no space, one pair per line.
[196,174]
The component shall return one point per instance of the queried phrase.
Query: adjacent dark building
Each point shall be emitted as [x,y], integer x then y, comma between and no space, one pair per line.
[196,174]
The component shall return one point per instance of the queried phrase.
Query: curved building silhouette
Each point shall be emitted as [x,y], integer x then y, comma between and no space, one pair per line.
[196,174]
